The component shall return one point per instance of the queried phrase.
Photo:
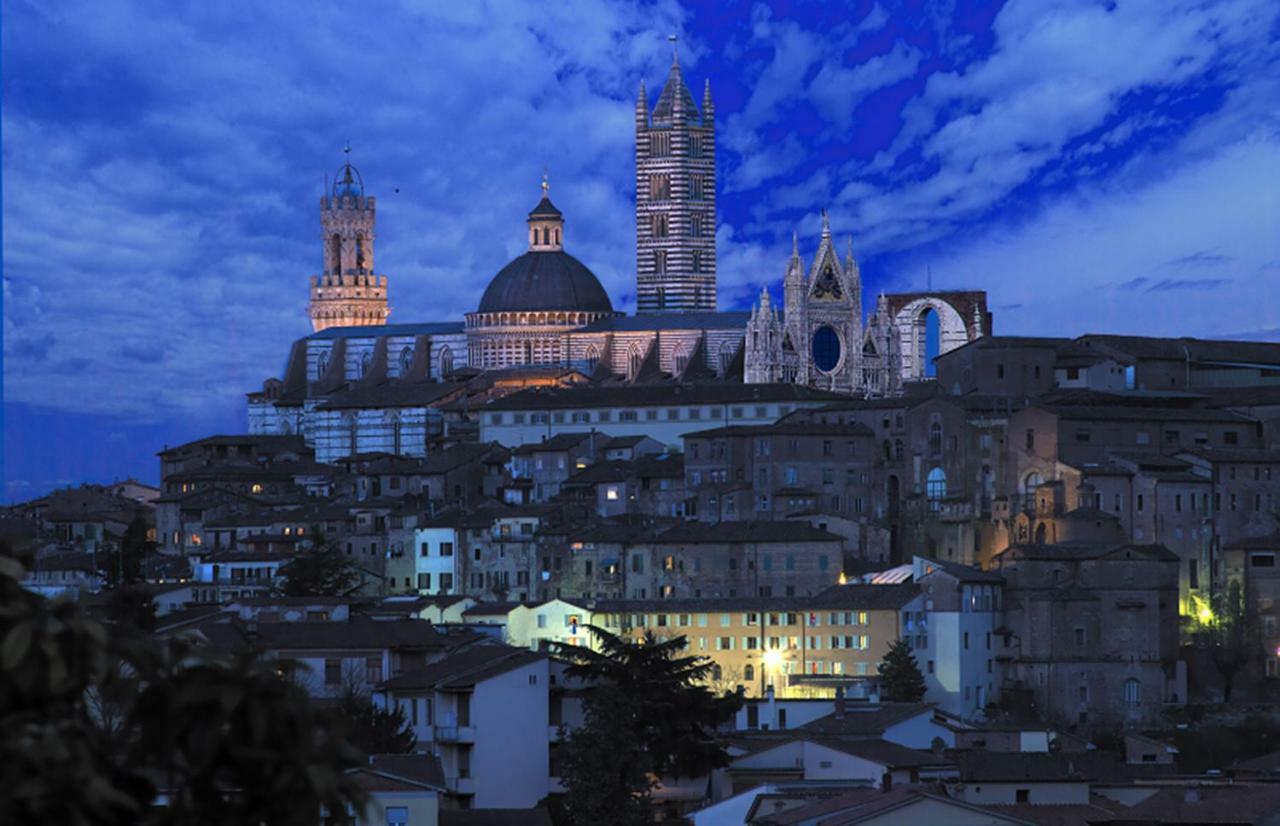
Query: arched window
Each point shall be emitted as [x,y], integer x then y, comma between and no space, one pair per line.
[593,358]
[660,262]
[366,361]
[285,427]
[749,672]
[634,360]
[726,357]
[680,360]
[936,487]
[899,449]
[1132,691]
[322,364]
[555,236]
[359,250]
[1030,482]
[935,438]
[446,362]
[353,428]
[546,235]
[335,251]
[406,361]
[395,433]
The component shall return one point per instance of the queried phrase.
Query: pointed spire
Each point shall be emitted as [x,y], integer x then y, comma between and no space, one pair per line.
[826,224]
[795,245]
[675,49]
[708,108]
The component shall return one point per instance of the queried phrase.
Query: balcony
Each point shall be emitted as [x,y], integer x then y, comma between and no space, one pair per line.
[461,784]
[453,734]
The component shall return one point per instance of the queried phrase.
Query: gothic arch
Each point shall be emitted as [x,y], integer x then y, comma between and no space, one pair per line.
[445,362]
[635,360]
[406,361]
[727,351]
[593,358]
[679,360]
[911,320]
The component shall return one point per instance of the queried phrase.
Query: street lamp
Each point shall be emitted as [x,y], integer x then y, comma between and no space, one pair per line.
[770,660]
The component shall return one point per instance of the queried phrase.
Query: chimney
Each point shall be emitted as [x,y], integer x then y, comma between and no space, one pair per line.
[839,703]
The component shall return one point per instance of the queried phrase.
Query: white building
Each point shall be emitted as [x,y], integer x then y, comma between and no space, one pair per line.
[664,412]
[485,712]
[962,612]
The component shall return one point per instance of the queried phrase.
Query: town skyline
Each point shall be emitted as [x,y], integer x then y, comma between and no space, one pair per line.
[210,220]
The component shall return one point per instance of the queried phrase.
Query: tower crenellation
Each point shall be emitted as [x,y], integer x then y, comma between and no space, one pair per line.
[348,293]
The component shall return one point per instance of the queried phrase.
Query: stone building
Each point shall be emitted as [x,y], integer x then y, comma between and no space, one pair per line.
[790,467]
[1091,632]
[801,646]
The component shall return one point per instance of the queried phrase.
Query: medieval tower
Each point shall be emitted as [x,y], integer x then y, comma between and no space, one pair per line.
[675,200]
[347,293]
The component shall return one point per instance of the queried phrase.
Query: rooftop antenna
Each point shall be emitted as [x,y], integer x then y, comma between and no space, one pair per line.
[675,52]
[546,187]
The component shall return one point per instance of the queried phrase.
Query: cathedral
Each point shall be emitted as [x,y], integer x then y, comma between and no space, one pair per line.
[360,382]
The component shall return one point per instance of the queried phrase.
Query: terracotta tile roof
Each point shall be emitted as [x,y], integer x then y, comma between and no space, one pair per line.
[464,669]
[864,722]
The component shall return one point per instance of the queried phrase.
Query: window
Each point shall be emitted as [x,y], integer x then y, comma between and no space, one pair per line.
[446,549]
[1080,637]
[332,672]
[1031,439]
[936,487]
[1132,691]
[749,673]
[424,582]
[397,816]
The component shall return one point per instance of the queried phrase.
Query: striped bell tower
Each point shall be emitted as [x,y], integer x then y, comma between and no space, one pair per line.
[675,200]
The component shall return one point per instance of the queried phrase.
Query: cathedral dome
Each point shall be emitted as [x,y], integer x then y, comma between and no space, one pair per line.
[545,280]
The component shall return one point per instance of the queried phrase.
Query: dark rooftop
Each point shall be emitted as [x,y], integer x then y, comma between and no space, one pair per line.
[659,395]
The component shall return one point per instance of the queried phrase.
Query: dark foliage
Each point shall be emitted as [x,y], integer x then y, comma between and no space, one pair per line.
[93,726]
[369,729]
[647,715]
[900,677]
[322,572]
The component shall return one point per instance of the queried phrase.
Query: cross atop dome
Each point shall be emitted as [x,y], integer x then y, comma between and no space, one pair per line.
[546,223]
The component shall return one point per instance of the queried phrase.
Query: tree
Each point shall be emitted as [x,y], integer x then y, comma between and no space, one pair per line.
[1234,636]
[323,572]
[370,729]
[123,565]
[94,724]
[648,714]
[900,677]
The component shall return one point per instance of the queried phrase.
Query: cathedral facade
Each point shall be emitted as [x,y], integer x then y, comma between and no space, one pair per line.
[361,384]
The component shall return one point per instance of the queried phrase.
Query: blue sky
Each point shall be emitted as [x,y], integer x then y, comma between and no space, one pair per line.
[1094,166]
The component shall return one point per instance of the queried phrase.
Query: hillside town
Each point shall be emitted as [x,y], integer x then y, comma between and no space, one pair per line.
[922,572]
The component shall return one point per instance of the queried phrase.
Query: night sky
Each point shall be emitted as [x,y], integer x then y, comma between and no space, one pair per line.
[1096,167]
